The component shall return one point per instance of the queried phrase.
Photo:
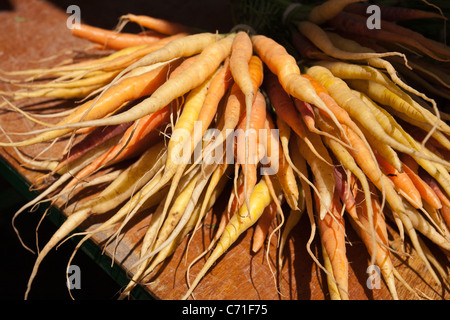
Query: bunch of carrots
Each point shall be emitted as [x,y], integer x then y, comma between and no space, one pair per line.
[351,142]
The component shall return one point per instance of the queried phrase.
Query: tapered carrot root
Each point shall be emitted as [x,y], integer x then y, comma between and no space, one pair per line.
[328,10]
[156,24]
[332,233]
[112,39]
[262,226]
[72,222]
[238,223]
[381,253]
[389,13]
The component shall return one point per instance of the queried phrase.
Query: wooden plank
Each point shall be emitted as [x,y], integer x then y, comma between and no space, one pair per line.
[41,33]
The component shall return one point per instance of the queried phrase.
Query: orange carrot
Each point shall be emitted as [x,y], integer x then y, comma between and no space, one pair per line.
[340,113]
[111,39]
[216,91]
[283,104]
[257,120]
[426,192]
[401,180]
[235,106]
[160,25]
[263,225]
[285,67]
[332,233]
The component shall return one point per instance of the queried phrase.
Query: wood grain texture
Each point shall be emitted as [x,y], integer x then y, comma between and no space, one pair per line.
[41,33]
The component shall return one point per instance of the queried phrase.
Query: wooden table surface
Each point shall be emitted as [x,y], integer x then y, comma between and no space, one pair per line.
[32,30]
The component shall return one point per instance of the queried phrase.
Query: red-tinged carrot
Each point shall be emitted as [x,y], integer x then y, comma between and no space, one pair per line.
[393,13]
[133,142]
[157,24]
[346,188]
[111,39]
[306,49]
[401,181]
[347,22]
[410,162]
[307,112]
[445,213]
[238,223]
[445,200]
[332,235]
[327,10]
[319,37]
[437,47]
[93,138]
[345,158]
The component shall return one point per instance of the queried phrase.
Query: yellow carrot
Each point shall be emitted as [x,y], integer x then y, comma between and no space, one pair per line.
[238,223]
